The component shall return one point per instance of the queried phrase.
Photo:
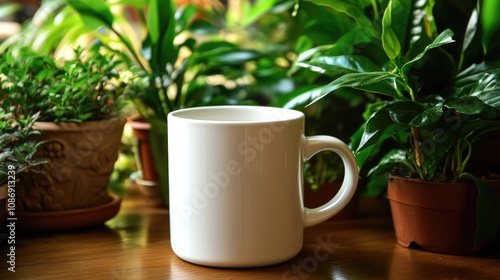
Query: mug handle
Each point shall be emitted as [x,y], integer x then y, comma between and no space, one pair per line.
[311,146]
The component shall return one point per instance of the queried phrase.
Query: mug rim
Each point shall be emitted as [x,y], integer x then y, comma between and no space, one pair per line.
[284,115]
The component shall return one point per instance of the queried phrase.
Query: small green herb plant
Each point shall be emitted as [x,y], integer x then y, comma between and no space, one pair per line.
[87,87]
[16,150]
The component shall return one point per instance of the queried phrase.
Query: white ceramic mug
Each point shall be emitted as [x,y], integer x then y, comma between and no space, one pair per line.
[236,184]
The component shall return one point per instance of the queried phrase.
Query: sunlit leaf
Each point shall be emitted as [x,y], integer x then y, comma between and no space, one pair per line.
[490,20]
[94,12]
[353,10]
[378,82]
[390,41]
[445,37]
[335,65]
[375,129]
[414,114]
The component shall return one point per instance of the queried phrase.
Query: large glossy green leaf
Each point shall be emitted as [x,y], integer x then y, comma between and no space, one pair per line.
[404,21]
[445,37]
[471,30]
[299,98]
[378,82]
[161,34]
[390,41]
[470,105]
[375,128]
[351,8]
[94,12]
[490,20]
[488,90]
[412,114]
[337,65]
[222,52]
[475,72]
[361,155]
[482,98]
[256,11]
[346,44]
[390,160]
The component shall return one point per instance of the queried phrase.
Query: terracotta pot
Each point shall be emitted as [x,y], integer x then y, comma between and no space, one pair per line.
[3,202]
[438,217]
[145,161]
[82,158]
[153,165]
[325,192]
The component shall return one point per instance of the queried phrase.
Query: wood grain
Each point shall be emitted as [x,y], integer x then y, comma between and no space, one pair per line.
[135,245]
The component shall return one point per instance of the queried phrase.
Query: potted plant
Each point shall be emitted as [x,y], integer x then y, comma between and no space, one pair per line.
[16,156]
[78,103]
[433,77]
[182,58]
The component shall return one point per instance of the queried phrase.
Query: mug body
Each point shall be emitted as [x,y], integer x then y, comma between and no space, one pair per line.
[235,185]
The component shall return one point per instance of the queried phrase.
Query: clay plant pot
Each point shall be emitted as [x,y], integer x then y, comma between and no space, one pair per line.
[82,158]
[323,194]
[152,183]
[144,155]
[438,217]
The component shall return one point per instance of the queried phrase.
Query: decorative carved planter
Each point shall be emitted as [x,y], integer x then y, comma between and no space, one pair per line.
[82,158]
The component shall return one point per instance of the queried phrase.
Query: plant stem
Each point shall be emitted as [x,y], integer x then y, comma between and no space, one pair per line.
[166,105]
[467,158]
[130,48]
[415,134]
[376,13]
[458,152]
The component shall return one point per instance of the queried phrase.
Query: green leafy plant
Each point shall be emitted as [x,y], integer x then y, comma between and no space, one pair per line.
[178,53]
[84,88]
[433,79]
[181,58]
[424,89]
[16,150]
[309,32]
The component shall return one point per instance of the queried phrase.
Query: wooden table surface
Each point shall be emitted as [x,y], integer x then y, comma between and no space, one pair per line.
[135,245]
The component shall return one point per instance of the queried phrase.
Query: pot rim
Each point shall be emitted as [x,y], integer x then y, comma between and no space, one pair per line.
[433,195]
[415,180]
[137,123]
[73,126]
